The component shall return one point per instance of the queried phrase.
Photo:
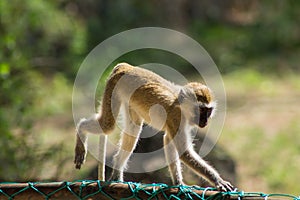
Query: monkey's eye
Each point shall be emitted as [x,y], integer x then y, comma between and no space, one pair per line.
[200,98]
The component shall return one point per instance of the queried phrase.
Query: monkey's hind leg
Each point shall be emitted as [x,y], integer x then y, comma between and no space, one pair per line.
[101,156]
[85,126]
[128,141]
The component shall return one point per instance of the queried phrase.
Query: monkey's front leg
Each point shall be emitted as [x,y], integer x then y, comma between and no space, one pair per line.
[194,161]
[173,161]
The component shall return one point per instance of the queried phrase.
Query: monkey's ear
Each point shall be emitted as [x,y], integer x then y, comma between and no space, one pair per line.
[186,93]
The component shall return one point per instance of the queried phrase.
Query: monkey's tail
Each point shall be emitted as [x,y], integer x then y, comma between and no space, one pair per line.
[110,106]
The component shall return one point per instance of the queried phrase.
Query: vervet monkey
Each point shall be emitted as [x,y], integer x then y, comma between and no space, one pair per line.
[144,96]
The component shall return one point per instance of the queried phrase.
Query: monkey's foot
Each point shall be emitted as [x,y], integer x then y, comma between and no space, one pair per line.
[180,183]
[115,176]
[224,186]
[80,154]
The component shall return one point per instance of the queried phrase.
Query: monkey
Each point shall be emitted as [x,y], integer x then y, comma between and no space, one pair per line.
[145,97]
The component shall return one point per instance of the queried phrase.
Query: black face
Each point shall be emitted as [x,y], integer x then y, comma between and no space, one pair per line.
[204,115]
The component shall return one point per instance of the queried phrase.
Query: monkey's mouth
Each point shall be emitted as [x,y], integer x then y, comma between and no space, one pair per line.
[202,124]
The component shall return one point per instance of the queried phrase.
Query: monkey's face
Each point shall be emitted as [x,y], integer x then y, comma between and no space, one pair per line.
[205,113]
[197,103]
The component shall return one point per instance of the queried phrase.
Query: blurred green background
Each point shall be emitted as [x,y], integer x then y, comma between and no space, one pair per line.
[255,44]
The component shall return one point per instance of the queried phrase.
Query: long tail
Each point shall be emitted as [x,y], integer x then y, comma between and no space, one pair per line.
[110,106]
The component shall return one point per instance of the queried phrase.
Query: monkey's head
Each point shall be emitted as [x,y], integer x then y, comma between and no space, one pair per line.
[197,103]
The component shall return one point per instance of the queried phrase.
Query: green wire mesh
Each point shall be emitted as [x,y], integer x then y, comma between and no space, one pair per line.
[88,189]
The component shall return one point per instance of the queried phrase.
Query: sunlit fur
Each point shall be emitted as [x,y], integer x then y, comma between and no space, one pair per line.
[144,96]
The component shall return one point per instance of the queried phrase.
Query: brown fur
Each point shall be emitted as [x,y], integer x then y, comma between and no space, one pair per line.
[141,91]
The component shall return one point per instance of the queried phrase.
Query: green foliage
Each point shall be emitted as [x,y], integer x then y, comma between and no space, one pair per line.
[43,43]
[34,44]
[270,44]
[23,145]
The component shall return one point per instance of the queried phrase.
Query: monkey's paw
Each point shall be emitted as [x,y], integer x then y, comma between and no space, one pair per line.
[80,154]
[114,176]
[224,186]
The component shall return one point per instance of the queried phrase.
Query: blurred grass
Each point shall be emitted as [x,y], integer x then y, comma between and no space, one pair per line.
[262,130]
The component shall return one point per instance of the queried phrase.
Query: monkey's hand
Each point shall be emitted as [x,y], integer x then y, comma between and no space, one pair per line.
[224,186]
[80,154]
